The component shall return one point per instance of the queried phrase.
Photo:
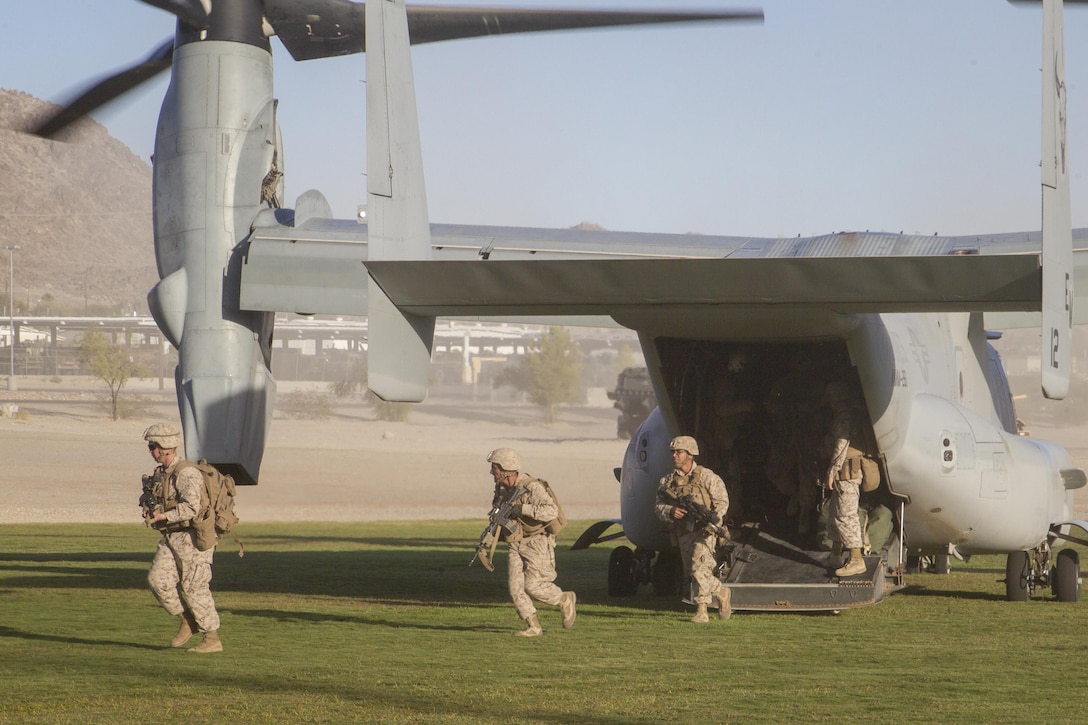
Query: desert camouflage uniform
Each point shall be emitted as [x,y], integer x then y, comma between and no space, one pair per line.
[697,545]
[842,511]
[531,561]
[181,574]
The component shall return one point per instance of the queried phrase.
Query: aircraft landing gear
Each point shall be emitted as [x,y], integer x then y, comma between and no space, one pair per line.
[627,570]
[1026,570]
[1066,582]
[668,573]
[1019,576]
[622,572]
[934,564]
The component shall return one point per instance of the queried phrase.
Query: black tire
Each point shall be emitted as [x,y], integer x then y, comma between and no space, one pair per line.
[941,564]
[622,575]
[667,574]
[1067,576]
[914,564]
[1017,575]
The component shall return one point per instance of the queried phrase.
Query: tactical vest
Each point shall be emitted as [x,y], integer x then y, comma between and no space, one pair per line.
[690,484]
[531,527]
[166,490]
[693,485]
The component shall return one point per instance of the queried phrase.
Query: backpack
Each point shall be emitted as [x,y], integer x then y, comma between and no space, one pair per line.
[870,469]
[557,524]
[216,516]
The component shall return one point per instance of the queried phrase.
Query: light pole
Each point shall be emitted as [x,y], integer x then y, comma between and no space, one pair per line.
[12,384]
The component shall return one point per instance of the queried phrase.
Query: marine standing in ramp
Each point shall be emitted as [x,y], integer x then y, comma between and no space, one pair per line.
[531,561]
[697,544]
[843,479]
[181,574]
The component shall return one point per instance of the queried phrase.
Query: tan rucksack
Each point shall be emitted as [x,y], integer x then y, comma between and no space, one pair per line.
[557,524]
[216,516]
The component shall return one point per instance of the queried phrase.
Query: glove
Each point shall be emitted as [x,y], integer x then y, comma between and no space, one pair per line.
[515,511]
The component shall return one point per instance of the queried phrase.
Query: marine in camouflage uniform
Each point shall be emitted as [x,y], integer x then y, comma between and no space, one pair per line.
[843,479]
[531,560]
[697,545]
[181,574]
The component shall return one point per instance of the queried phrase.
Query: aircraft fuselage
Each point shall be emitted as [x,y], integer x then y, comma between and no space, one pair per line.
[746,384]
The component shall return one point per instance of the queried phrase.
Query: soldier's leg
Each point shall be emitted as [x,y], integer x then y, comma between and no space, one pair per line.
[847,494]
[539,554]
[163,579]
[196,579]
[844,513]
[515,579]
[684,544]
[706,585]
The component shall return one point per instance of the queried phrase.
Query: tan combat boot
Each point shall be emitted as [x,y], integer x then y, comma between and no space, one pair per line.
[566,608]
[185,631]
[725,596]
[856,565]
[533,630]
[211,643]
[700,614]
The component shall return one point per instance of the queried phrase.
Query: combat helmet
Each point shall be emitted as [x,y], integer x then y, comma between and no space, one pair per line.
[164,435]
[505,458]
[684,443]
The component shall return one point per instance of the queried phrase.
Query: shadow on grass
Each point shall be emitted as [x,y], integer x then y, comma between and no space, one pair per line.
[402,572]
[9,632]
[302,617]
[386,541]
[919,590]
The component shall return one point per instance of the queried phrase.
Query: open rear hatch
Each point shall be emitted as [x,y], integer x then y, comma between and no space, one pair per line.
[766,573]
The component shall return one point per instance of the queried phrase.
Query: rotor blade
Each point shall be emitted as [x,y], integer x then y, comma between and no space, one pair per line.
[191,12]
[336,27]
[428,25]
[106,90]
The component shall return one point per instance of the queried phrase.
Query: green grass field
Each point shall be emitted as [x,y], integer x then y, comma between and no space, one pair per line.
[385,623]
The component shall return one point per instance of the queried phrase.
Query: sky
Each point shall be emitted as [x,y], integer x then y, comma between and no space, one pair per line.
[919,116]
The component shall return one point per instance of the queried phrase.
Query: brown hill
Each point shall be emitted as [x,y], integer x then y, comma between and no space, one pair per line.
[80,209]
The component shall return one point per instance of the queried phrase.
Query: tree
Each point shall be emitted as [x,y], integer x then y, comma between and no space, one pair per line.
[111,363]
[549,373]
[355,382]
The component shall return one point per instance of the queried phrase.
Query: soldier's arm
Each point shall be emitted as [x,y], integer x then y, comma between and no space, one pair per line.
[663,510]
[190,484]
[719,498]
[537,504]
[840,431]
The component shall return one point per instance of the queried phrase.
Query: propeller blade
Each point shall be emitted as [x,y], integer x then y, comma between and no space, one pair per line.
[323,28]
[191,12]
[106,90]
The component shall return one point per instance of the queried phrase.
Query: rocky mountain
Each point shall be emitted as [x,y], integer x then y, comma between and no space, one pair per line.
[80,210]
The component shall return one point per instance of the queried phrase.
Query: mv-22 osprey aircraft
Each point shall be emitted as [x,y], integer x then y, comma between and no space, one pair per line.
[739,334]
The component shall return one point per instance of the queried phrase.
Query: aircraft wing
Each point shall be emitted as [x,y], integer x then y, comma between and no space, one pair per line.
[321,267]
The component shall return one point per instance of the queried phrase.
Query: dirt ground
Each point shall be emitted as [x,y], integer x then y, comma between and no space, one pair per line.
[65,461]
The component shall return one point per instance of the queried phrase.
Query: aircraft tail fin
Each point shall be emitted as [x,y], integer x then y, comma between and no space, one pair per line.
[399,344]
[1057,251]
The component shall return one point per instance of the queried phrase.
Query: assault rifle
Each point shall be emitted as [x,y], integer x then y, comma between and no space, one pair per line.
[498,519]
[148,501]
[729,552]
[703,517]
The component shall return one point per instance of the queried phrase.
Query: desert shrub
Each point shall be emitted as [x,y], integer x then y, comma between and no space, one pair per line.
[385,410]
[306,404]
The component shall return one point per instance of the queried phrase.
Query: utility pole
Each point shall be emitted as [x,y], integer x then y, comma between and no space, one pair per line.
[12,383]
